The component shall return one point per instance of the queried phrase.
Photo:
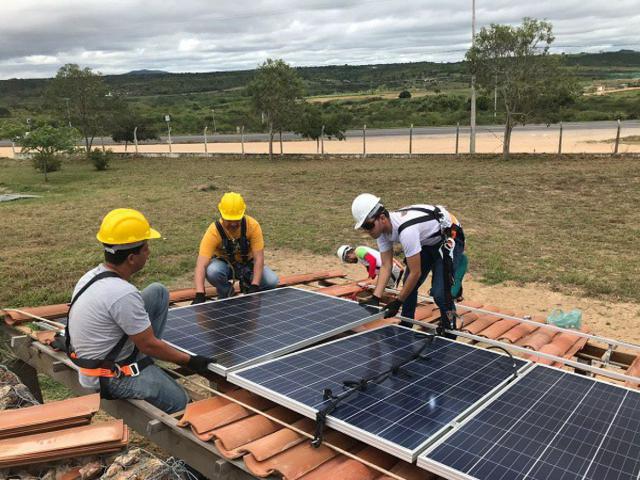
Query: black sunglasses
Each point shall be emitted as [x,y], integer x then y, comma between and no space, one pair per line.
[368,225]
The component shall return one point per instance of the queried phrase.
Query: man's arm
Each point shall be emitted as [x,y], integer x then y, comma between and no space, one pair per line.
[258,267]
[152,346]
[198,275]
[415,268]
[385,272]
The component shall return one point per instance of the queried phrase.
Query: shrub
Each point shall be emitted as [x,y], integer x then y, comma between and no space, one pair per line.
[405,94]
[101,159]
[46,163]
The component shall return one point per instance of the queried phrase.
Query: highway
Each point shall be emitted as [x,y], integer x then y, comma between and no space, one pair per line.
[388,132]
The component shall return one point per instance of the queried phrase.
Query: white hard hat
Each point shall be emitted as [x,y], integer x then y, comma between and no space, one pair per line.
[342,251]
[363,206]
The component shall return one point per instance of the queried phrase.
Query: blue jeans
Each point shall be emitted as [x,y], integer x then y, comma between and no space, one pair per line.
[431,261]
[219,274]
[153,384]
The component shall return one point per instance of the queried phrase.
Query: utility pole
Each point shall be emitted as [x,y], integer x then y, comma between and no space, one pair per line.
[135,138]
[472,138]
[213,118]
[206,150]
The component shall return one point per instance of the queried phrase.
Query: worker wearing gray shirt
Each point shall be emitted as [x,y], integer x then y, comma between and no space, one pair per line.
[114,330]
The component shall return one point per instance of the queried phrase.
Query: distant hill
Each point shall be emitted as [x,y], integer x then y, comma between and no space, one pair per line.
[318,80]
[144,71]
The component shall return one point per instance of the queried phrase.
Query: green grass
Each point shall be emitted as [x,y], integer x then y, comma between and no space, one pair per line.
[572,223]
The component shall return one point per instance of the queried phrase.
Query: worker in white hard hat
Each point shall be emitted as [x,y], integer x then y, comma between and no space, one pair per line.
[371,260]
[432,240]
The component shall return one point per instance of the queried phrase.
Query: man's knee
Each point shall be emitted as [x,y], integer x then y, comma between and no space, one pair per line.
[155,296]
[215,273]
[270,279]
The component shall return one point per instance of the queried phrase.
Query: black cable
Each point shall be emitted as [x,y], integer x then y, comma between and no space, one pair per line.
[514,365]
[351,387]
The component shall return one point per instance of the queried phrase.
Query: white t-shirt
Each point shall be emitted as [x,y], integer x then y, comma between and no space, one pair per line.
[414,237]
[107,310]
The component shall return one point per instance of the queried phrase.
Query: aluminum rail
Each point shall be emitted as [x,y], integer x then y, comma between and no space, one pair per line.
[517,348]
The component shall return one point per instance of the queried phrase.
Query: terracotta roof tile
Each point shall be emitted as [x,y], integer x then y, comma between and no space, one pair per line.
[634,371]
[409,471]
[297,461]
[230,440]
[349,290]
[345,468]
[279,441]
[50,416]
[537,339]
[519,332]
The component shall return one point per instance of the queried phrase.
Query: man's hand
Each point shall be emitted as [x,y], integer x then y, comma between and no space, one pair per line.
[392,308]
[199,364]
[373,301]
[253,288]
[200,298]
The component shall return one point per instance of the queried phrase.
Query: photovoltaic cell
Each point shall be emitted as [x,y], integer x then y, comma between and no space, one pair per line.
[249,328]
[400,414]
[549,425]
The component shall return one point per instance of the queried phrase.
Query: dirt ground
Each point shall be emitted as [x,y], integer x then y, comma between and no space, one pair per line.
[574,141]
[604,318]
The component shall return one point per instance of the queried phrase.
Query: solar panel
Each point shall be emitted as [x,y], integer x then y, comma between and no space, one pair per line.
[550,424]
[240,330]
[399,415]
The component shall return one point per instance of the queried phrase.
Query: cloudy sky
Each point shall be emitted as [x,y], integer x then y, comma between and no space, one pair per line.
[116,36]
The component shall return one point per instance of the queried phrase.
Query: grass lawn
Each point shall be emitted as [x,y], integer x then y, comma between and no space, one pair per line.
[572,222]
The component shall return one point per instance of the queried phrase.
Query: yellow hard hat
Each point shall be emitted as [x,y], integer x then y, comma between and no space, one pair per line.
[125,225]
[232,206]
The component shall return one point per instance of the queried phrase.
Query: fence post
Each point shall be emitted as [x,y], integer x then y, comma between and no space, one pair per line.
[615,150]
[242,138]
[169,133]
[457,137]
[364,140]
[560,141]
[411,140]
[206,150]
[135,138]
[322,141]
[13,148]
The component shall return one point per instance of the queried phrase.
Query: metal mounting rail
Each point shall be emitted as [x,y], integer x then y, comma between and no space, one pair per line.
[517,348]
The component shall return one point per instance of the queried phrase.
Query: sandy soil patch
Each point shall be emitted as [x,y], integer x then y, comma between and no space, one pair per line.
[546,141]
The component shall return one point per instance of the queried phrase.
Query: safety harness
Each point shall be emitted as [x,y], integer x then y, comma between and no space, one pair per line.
[243,270]
[107,367]
[453,232]
[230,246]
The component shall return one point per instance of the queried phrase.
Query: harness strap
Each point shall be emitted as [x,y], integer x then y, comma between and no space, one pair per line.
[107,367]
[430,215]
[228,244]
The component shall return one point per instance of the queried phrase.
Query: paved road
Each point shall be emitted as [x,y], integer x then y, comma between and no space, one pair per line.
[390,132]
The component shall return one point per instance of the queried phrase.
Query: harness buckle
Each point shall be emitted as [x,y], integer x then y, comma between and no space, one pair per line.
[131,370]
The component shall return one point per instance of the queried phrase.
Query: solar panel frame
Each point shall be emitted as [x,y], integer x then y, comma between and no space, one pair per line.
[434,466]
[225,370]
[393,448]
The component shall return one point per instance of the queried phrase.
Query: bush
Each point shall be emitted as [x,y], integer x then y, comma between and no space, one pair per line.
[46,163]
[405,94]
[101,159]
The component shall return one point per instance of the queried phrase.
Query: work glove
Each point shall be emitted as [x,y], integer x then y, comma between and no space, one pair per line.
[199,364]
[373,301]
[392,308]
[253,288]
[200,298]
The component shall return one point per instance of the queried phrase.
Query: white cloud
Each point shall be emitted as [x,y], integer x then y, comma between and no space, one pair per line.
[38,36]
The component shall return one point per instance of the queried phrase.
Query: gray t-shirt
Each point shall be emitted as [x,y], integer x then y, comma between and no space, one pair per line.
[107,310]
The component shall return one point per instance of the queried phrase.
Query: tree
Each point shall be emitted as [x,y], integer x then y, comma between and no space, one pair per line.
[311,118]
[531,83]
[276,91]
[48,142]
[12,130]
[122,130]
[82,99]
[405,94]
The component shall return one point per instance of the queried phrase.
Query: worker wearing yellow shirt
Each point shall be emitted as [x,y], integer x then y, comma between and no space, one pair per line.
[231,249]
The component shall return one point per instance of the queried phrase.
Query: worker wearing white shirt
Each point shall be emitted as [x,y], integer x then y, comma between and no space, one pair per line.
[428,234]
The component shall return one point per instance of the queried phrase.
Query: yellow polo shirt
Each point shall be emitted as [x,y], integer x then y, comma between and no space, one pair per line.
[211,243]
